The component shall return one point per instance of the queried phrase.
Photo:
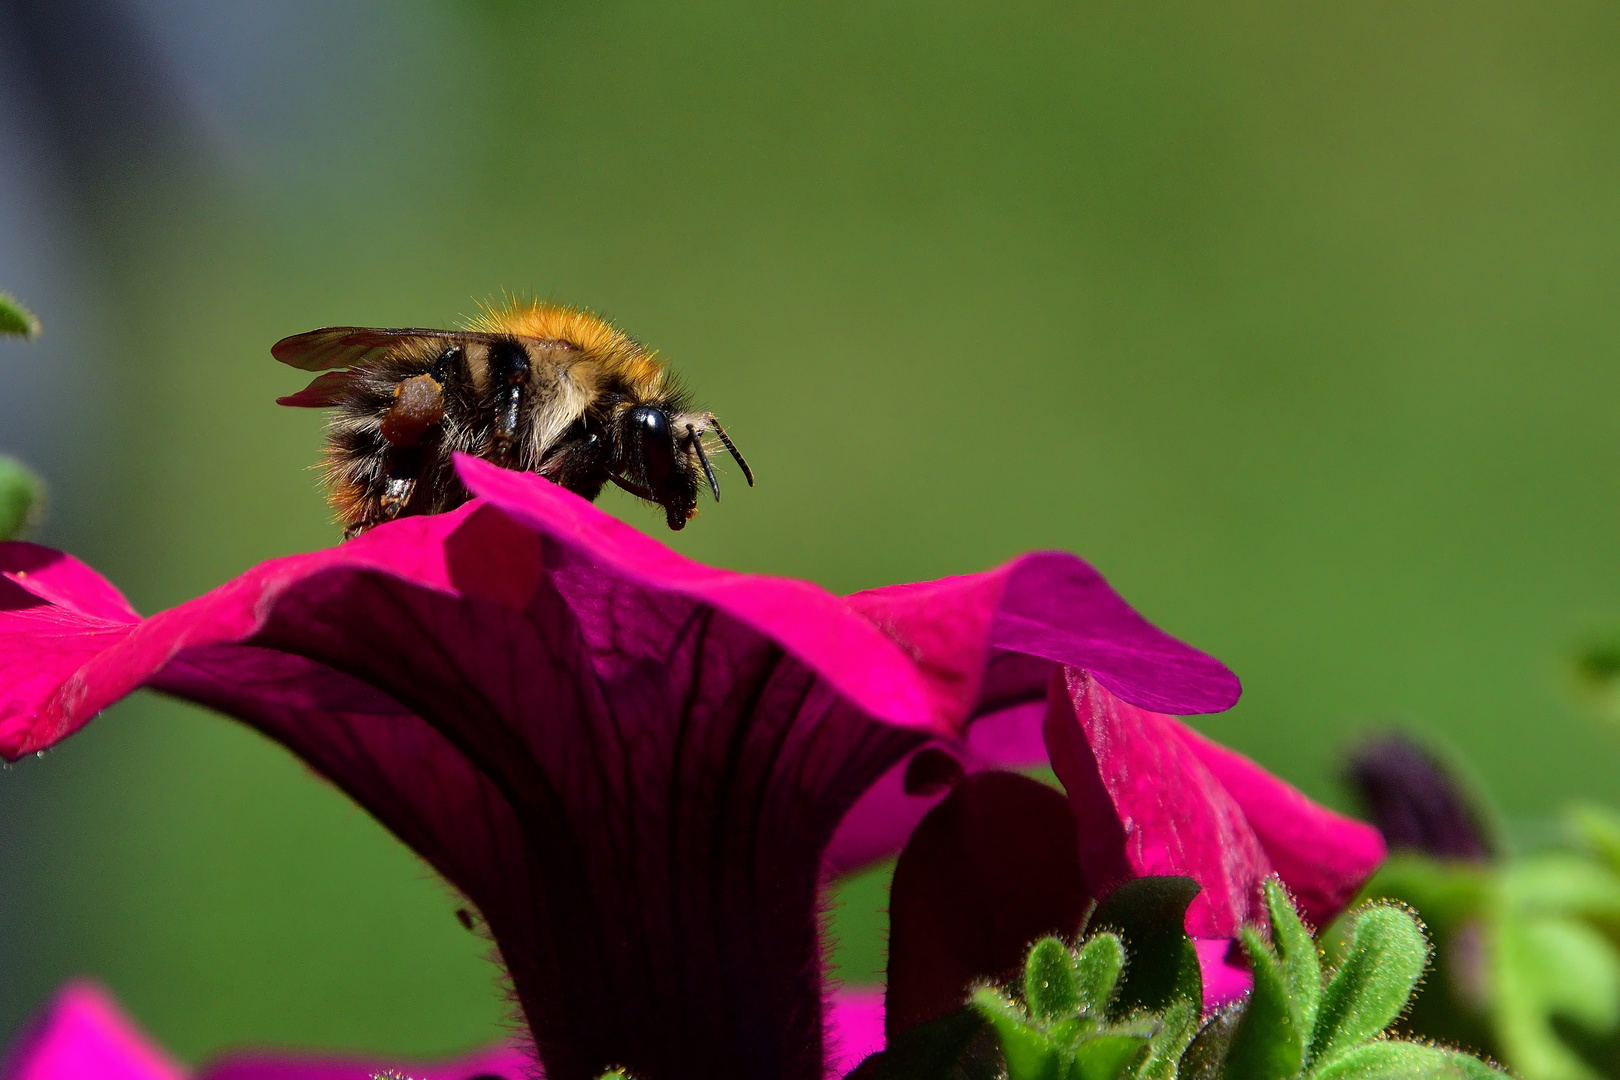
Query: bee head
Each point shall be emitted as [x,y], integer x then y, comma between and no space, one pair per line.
[661,458]
[653,459]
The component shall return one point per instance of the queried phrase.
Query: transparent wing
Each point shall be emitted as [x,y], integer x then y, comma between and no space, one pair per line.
[345,346]
[328,389]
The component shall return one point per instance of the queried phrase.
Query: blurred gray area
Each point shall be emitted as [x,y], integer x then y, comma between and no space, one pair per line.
[109,111]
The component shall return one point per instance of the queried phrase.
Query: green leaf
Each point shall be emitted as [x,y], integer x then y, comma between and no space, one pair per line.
[1598,827]
[21,493]
[1176,1030]
[1561,883]
[945,1049]
[1395,1060]
[1301,963]
[1575,969]
[1546,967]
[1458,905]
[1103,1057]
[1386,955]
[1444,890]
[1029,1054]
[1269,1043]
[1097,969]
[1149,914]
[1051,985]
[1205,1056]
[15,319]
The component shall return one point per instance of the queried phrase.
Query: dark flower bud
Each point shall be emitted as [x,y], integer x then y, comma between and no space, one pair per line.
[1417,801]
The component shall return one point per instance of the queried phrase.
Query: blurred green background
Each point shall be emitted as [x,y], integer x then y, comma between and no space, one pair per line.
[1299,321]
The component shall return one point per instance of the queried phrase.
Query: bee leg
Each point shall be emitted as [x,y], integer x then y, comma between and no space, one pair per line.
[418,407]
[509,368]
[404,467]
[506,418]
[708,470]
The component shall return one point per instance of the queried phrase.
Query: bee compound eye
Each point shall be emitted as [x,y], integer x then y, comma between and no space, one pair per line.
[650,422]
[650,434]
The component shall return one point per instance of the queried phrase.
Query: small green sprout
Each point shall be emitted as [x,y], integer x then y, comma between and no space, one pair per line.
[16,320]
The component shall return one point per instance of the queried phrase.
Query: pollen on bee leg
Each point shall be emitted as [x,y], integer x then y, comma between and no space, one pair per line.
[418,405]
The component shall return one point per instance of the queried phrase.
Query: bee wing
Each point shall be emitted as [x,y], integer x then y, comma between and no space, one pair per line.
[345,346]
[327,389]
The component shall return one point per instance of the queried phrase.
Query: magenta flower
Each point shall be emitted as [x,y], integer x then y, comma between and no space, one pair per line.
[1165,800]
[634,765]
[85,1036]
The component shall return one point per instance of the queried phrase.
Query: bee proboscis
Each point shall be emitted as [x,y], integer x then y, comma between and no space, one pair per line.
[539,387]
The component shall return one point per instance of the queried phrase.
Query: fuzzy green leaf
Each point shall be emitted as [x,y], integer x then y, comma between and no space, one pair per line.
[1269,1043]
[16,320]
[1395,1060]
[1051,985]
[1029,1054]
[1457,903]
[1384,959]
[1176,1030]
[1149,914]
[1097,969]
[20,496]
[1103,1057]
[1301,963]
[1205,1056]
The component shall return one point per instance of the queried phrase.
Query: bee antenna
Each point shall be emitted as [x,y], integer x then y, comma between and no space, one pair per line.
[708,470]
[748,473]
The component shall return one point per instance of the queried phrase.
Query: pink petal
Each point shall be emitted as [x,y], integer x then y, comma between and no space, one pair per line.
[991,869]
[85,1036]
[1324,858]
[1058,608]
[1147,805]
[854,1028]
[1224,982]
[877,826]
[43,648]
[56,614]
[64,581]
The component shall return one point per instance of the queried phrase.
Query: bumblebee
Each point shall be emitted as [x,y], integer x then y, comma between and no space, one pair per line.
[539,387]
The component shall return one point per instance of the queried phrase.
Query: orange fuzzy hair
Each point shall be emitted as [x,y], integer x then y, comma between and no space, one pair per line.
[594,337]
